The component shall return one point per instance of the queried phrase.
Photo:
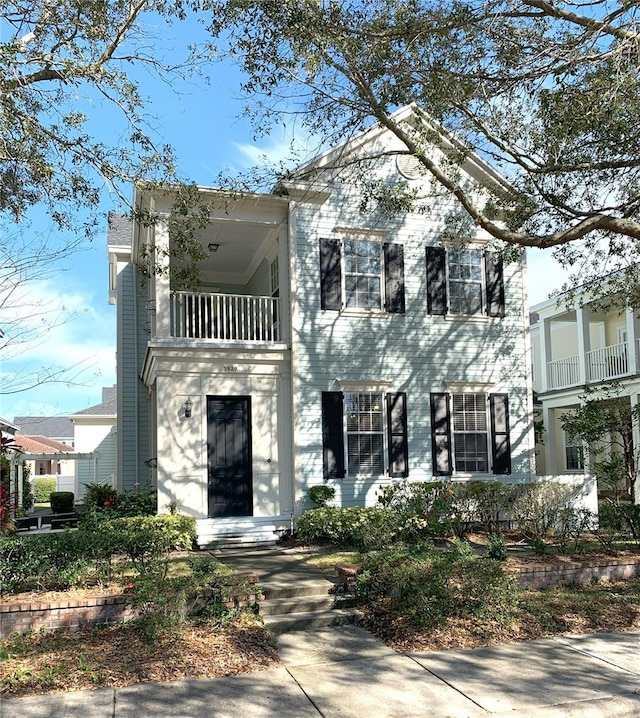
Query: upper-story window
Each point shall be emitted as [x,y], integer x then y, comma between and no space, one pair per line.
[361,274]
[464,281]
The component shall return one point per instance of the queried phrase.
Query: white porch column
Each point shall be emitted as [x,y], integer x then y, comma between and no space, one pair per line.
[635,401]
[162,281]
[545,353]
[284,268]
[633,334]
[584,343]
[550,441]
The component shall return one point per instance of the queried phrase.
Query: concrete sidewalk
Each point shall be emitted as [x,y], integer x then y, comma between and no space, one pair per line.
[347,672]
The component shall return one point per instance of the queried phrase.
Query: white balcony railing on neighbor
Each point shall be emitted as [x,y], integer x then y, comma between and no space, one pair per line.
[607,363]
[563,372]
[225,317]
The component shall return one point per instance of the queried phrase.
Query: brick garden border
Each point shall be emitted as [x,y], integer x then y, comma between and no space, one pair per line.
[76,614]
[547,576]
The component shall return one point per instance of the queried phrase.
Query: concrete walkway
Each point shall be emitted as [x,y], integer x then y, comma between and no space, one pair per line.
[346,672]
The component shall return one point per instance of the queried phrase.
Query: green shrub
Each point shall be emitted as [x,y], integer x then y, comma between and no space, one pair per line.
[176,532]
[610,526]
[630,514]
[61,502]
[430,586]
[321,494]
[496,548]
[96,495]
[422,508]
[538,506]
[43,486]
[487,503]
[363,528]
[132,504]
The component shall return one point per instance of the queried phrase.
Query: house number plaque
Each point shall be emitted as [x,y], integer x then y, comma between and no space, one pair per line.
[229,367]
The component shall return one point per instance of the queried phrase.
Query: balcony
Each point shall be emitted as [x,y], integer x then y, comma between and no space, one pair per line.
[225,317]
[610,362]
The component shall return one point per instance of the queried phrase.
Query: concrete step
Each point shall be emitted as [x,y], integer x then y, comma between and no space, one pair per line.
[296,587]
[311,619]
[298,604]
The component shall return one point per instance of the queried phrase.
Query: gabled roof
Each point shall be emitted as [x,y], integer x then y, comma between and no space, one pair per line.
[107,407]
[58,427]
[41,444]
[473,164]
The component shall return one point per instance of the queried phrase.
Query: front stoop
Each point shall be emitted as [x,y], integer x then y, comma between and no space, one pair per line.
[305,604]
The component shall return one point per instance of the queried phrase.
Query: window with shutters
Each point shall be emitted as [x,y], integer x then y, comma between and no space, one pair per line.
[365,433]
[464,282]
[364,275]
[470,432]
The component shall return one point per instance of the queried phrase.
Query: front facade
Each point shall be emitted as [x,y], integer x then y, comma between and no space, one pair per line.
[575,345]
[326,341]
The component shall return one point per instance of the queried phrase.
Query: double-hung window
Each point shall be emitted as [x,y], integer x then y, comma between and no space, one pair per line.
[361,274]
[470,433]
[364,433]
[464,281]
[573,453]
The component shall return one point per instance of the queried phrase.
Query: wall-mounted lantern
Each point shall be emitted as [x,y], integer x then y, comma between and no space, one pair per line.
[213,247]
[188,405]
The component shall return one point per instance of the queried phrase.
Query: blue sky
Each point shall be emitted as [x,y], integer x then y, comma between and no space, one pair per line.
[201,121]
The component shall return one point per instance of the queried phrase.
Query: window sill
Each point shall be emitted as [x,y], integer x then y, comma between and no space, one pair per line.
[350,312]
[467,318]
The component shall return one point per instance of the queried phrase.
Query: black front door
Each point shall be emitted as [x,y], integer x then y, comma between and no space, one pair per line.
[229,456]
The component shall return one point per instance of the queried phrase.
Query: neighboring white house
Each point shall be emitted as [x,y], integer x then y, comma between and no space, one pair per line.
[94,432]
[326,342]
[574,345]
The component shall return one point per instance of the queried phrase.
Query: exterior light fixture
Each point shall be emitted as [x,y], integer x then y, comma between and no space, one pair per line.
[213,246]
[187,408]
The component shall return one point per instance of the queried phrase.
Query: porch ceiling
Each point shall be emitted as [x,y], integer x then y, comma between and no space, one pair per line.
[240,242]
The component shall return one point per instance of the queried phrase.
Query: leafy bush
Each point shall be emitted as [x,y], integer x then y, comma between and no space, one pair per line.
[496,548]
[630,514]
[572,524]
[43,487]
[362,528]
[98,495]
[62,502]
[175,532]
[131,504]
[422,508]
[430,586]
[488,503]
[538,507]
[321,494]
[610,526]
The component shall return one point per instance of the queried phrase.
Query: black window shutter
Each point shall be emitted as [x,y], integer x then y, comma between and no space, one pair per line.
[436,280]
[495,284]
[441,435]
[330,275]
[397,429]
[500,444]
[394,278]
[332,435]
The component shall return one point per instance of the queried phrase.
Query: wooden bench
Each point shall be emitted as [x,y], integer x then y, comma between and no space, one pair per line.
[60,521]
[27,522]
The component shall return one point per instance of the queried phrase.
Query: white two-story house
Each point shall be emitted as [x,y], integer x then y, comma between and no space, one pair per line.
[326,341]
[575,343]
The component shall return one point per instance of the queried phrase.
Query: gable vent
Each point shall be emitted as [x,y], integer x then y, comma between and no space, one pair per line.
[409,166]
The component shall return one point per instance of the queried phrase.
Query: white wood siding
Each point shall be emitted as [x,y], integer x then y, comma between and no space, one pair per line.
[414,352]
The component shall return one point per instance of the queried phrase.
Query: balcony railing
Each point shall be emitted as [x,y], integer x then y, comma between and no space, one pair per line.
[225,317]
[563,372]
[607,363]
[601,364]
